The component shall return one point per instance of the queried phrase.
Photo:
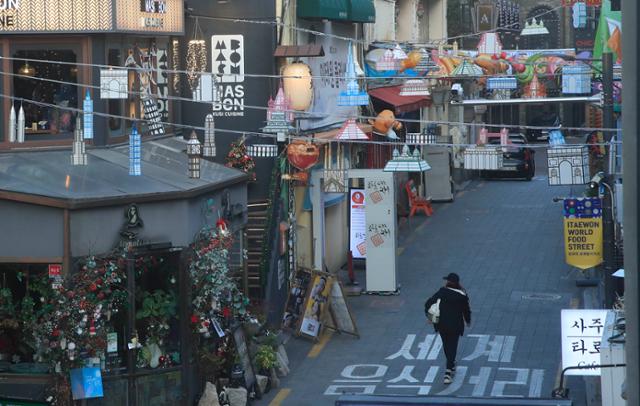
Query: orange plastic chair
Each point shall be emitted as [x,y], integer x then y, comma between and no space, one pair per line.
[417,203]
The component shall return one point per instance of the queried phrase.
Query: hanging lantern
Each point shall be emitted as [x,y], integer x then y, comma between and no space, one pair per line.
[302,154]
[20,126]
[12,124]
[352,96]
[209,136]
[279,117]
[298,86]
[87,116]
[193,152]
[27,70]
[134,152]
[79,155]
[335,178]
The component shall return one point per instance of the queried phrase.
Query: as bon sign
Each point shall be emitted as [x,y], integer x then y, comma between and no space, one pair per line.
[583,232]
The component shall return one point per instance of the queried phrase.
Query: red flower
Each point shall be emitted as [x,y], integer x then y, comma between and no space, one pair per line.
[226,312]
[195,319]
[93,287]
[55,333]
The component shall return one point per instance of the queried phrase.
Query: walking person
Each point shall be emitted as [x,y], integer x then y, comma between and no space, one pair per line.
[454,313]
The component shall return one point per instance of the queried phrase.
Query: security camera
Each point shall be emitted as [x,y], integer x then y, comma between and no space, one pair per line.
[597,178]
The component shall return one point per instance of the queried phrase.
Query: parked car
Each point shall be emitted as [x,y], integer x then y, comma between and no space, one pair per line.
[518,160]
[551,120]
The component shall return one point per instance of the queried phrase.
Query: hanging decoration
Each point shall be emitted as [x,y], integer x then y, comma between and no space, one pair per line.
[79,155]
[209,149]
[568,165]
[406,162]
[152,116]
[576,79]
[135,153]
[298,86]
[425,63]
[490,44]
[302,155]
[87,116]
[239,158]
[353,96]
[175,64]
[385,124]
[279,116]
[20,126]
[113,84]
[12,124]
[387,62]
[335,178]
[415,87]
[262,150]
[535,89]
[27,70]
[193,152]
[196,57]
[467,68]
[534,28]
[350,131]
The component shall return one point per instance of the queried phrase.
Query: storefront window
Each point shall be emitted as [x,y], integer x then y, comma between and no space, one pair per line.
[50,85]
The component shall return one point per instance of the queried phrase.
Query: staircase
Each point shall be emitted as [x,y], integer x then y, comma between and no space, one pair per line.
[256,226]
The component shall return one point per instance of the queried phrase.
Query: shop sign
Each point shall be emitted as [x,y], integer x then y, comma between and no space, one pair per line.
[228,61]
[153,6]
[55,275]
[583,232]
[357,224]
[8,19]
[581,339]
[590,3]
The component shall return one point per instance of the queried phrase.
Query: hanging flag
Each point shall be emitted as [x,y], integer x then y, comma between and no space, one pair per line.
[583,232]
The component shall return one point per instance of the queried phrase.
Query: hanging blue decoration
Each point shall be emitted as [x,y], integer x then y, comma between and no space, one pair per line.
[87,116]
[134,152]
[352,96]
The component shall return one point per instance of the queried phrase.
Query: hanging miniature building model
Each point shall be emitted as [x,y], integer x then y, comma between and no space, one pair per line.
[279,116]
[415,87]
[209,148]
[134,152]
[534,28]
[502,83]
[79,156]
[335,175]
[193,152]
[352,96]
[351,132]
[398,53]
[576,79]
[387,62]
[467,68]
[425,64]
[535,89]
[490,44]
[262,150]
[568,165]
[406,162]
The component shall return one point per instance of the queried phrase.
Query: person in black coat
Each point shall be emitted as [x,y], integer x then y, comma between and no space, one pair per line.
[454,313]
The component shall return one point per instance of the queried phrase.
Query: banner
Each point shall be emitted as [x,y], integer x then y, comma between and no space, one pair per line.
[583,232]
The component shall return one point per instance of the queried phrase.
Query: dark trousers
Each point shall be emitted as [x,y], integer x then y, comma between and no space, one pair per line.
[450,346]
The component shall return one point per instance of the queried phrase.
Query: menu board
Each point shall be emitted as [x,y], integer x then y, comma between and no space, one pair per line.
[357,224]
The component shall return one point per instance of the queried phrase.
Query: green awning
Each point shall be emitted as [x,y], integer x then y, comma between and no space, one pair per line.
[362,11]
[319,9]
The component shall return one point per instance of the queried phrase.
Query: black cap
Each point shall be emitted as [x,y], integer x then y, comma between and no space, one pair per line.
[452,277]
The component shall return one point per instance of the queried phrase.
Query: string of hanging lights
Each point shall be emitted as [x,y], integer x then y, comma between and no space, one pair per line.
[196,57]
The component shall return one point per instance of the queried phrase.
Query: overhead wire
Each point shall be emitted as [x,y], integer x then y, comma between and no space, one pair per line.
[343,116]
[256,133]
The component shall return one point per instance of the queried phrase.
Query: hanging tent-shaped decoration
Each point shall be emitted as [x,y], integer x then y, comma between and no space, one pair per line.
[135,152]
[79,155]
[467,68]
[425,64]
[352,96]
[209,149]
[534,28]
[415,87]
[351,132]
[406,162]
[279,116]
[196,57]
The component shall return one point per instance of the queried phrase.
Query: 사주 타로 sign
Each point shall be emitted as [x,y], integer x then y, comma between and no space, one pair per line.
[583,231]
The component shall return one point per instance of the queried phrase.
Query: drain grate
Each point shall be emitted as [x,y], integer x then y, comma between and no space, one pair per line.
[541,296]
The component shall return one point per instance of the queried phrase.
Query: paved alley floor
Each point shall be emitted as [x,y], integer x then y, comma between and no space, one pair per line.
[504,238]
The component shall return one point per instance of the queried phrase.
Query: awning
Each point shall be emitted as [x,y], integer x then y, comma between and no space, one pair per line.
[400,104]
[286,51]
[319,9]
[362,11]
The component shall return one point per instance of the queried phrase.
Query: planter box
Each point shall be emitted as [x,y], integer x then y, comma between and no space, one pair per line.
[568,165]
[484,158]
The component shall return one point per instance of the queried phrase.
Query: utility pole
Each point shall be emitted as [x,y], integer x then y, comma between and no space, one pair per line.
[608,237]
[631,151]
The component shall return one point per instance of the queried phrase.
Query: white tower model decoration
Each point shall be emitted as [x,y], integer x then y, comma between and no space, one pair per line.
[79,155]
[193,152]
[209,148]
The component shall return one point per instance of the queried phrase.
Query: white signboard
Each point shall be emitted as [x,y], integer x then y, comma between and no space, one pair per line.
[357,224]
[228,62]
[581,339]
[381,231]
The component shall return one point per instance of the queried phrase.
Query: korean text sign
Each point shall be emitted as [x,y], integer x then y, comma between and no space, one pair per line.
[583,232]
[581,339]
[357,224]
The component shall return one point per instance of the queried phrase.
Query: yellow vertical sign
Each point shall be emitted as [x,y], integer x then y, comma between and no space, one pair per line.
[583,242]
